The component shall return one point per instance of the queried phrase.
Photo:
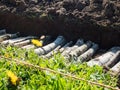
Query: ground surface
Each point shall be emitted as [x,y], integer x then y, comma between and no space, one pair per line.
[96,20]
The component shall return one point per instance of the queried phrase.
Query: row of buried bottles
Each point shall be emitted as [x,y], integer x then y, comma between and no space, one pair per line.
[80,51]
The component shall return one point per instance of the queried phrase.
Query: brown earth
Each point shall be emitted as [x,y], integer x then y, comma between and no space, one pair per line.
[96,20]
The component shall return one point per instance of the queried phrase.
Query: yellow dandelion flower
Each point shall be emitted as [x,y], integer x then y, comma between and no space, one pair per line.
[7,55]
[37,42]
[13,77]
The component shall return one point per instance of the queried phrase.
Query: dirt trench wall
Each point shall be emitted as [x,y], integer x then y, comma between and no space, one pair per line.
[106,37]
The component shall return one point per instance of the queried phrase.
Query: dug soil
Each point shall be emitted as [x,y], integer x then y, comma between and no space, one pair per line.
[95,20]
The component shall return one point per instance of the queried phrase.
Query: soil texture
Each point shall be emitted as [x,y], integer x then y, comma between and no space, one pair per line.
[96,20]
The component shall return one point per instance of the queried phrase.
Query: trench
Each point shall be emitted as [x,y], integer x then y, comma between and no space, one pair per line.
[105,37]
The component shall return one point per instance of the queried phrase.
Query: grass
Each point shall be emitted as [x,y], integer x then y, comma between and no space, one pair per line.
[33,79]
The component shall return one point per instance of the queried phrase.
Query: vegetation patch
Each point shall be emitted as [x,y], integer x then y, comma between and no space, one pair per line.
[20,77]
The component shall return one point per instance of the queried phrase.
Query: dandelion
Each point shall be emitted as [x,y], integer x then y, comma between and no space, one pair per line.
[37,42]
[6,55]
[13,78]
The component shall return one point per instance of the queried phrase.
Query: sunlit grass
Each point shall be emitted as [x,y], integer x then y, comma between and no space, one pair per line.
[33,79]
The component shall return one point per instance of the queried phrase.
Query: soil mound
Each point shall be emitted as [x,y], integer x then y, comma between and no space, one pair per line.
[101,12]
[97,20]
